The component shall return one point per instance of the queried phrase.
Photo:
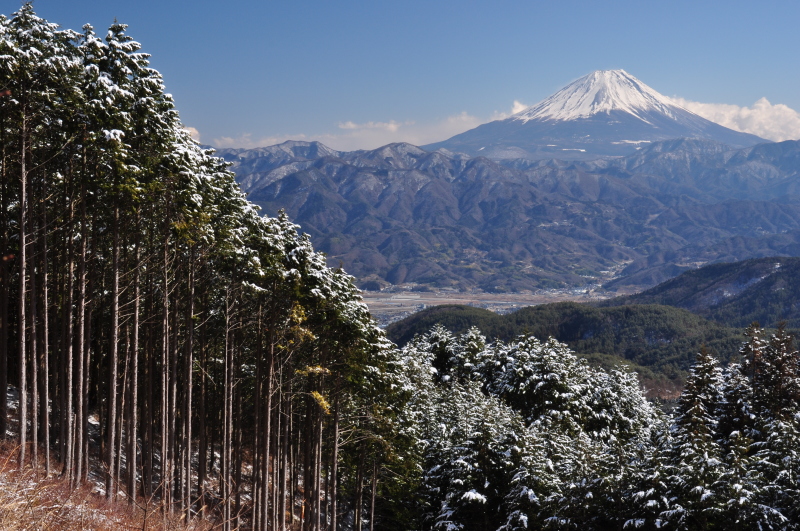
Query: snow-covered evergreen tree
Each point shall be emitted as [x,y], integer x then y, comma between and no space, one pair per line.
[777,448]
[695,467]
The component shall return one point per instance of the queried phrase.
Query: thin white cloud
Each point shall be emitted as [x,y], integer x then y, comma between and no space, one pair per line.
[194,133]
[390,126]
[516,107]
[246,141]
[774,122]
[370,135]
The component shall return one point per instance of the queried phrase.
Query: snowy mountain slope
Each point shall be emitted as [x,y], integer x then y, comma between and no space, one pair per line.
[602,91]
[607,113]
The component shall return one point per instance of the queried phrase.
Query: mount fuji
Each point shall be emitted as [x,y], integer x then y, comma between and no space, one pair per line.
[608,113]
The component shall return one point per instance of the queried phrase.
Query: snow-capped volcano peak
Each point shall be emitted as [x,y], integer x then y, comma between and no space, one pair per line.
[601,91]
[608,113]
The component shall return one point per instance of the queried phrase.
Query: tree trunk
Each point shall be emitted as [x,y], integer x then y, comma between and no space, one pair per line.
[267,434]
[316,469]
[237,437]
[294,457]
[187,409]
[258,444]
[67,331]
[374,491]
[34,347]
[173,412]
[166,480]
[308,442]
[120,420]
[285,463]
[45,341]
[21,310]
[5,280]
[83,475]
[77,436]
[335,461]
[201,414]
[148,472]
[277,457]
[113,357]
[359,491]
[225,472]
[133,397]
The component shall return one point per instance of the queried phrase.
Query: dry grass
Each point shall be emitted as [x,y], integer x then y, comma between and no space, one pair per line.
[32,502]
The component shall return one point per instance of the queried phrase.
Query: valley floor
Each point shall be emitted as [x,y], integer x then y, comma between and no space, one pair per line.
[390,306]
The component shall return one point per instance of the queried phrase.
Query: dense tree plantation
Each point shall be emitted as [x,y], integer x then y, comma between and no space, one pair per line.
[194,358]
[229,371]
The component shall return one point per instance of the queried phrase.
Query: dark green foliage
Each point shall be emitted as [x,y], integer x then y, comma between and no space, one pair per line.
[526,435]
[695,468]
[654,340]
[454,317]
[523,434]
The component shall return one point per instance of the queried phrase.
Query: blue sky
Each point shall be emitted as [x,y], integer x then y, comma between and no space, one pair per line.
[357,74]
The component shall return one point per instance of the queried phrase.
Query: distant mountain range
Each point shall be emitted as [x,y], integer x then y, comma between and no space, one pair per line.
[604,114]
[400,214]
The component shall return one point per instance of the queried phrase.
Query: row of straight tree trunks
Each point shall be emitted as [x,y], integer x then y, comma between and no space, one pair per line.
[160,334]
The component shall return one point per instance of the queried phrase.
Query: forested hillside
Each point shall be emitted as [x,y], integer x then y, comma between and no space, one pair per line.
[228,368]
[766,290]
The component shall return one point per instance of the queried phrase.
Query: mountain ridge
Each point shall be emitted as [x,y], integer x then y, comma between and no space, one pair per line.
[400,214]
[764,290]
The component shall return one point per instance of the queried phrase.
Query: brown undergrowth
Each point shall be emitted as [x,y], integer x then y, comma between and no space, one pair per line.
[31,501]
